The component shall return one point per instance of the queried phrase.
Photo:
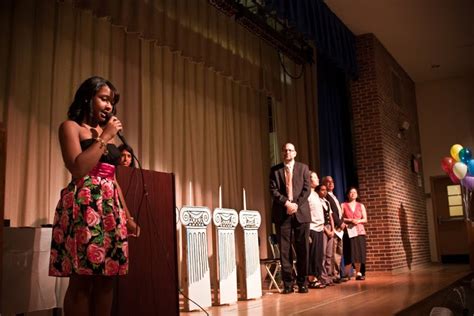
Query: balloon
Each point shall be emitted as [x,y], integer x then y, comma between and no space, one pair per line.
[460,170]
[455,149]
[470,167]
[468,183]
[453,178]
[465,155]
[447,164]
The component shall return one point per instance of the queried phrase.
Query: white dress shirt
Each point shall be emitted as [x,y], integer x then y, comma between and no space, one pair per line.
[317,212]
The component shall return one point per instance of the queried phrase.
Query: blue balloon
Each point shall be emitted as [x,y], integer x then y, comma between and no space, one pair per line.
[465,155]
[470,167]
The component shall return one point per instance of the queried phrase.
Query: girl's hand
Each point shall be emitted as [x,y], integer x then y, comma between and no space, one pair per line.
[132,228]
[111,129]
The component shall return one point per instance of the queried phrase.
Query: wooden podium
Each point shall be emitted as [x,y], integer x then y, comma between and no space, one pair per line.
[151,286]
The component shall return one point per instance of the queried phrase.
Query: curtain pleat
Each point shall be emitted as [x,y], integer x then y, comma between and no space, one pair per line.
[337,154]
[197,31]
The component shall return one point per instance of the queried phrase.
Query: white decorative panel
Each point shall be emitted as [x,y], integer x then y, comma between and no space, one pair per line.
[225,221]
[196,281]
[250,222]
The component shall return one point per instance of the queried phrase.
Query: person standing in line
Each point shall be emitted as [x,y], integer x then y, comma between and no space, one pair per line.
[339,226]
[316,232]
[290,189]
[328,237]
[355,216]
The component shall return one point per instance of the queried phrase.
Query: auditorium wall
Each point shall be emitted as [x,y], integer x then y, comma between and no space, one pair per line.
[387,151]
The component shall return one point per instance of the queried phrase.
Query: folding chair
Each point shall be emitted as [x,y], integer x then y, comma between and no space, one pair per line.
[272,263]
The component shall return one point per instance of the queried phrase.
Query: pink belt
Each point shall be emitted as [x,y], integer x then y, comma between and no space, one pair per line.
[103,170]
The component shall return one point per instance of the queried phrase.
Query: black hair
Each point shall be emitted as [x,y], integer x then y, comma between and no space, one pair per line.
[81,108]
[325,179]
[318,188]
[349,190]
[130,150]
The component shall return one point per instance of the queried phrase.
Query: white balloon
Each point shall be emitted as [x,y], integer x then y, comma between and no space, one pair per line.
[460,170]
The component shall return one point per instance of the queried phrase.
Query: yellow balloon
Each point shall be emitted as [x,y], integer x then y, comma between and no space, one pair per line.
[455,149]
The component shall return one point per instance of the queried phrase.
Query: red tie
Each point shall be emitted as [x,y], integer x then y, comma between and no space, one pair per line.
[289,183]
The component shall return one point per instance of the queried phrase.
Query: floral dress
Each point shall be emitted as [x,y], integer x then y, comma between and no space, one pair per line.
[89,229]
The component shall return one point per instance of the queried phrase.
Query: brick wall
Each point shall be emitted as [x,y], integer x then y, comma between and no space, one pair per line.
[391,191]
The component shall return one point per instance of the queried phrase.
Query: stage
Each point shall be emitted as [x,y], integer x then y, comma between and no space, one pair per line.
[379,294]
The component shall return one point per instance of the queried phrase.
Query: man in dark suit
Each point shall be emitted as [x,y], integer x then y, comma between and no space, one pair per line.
[290,189]
[338,226]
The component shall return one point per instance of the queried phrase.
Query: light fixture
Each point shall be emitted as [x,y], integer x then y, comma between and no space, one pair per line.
[403,128]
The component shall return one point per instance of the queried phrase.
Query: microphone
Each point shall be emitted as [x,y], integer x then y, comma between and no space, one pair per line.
[108,116]
[122,138]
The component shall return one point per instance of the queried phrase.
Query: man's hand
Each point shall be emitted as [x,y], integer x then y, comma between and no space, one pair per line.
[291,208]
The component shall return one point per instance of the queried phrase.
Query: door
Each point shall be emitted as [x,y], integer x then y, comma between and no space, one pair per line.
[450,224]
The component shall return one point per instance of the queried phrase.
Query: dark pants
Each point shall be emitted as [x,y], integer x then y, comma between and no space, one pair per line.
[292,232]
[337,258]
[316,250]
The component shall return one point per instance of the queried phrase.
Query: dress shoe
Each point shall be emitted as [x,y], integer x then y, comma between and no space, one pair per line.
[317,285]
[302,289]
[337,281]
[288,290]
[345,278]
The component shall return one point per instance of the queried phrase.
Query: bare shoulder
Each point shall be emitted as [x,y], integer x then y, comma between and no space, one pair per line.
[69,128]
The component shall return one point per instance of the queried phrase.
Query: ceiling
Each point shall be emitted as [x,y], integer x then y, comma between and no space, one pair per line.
[419,34]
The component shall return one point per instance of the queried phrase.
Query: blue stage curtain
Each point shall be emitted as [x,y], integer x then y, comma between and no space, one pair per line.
[335,132]
[336,64]
[333,39]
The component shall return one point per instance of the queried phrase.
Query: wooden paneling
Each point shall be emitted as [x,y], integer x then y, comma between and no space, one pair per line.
[3,157]
[152,282]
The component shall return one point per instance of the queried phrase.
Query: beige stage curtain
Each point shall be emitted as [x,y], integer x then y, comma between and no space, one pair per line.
[198,31]
[193,98]
[296,114]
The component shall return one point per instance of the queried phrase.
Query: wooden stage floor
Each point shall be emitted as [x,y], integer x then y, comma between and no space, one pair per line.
[379,294]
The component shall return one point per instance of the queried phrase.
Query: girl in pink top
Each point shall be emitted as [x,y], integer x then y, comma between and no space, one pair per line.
[355,216]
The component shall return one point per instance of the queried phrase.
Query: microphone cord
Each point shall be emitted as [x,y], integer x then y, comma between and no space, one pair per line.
[144,187]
